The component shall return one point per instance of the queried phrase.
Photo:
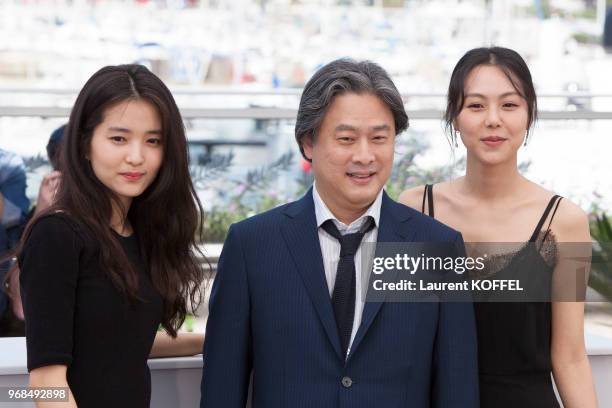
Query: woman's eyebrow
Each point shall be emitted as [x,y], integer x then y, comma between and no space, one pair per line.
[478,95]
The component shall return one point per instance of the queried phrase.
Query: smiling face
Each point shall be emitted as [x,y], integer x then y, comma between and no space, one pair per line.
[126,148]
[494,117]
[352,154]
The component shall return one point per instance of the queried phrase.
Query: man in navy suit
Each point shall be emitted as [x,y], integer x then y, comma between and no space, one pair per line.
[287,308]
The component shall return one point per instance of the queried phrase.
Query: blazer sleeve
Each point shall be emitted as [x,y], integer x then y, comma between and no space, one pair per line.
[455,364]
[227,348]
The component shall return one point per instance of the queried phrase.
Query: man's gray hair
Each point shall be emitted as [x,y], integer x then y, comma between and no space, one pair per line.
[345,76]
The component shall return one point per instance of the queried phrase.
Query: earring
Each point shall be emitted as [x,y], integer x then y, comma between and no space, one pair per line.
[456,134]
[526,138]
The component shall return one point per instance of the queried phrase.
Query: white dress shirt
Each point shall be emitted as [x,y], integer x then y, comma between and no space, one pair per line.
[330,249]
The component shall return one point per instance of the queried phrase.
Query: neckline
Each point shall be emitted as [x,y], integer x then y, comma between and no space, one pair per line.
[553,201]
[526,249]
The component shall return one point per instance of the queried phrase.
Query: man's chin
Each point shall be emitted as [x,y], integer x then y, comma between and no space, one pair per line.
[364,198]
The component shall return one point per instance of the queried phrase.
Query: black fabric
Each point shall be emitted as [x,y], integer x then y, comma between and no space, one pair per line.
[514,339]
[551,220]
[536,232]
[76,317]
[428,193]
[514,357]
[430,200]
[343,296]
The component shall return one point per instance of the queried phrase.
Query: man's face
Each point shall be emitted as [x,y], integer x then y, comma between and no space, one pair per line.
[352,154]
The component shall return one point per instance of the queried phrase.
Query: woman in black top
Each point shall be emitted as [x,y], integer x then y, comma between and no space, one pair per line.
[492,106]
[114,257]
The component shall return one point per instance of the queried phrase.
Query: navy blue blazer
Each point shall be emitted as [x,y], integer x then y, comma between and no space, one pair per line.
[271,316]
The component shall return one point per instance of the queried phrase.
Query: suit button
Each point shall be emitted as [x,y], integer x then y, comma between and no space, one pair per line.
[347,382]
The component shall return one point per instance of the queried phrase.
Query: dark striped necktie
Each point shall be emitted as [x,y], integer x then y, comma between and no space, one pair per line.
[343,296]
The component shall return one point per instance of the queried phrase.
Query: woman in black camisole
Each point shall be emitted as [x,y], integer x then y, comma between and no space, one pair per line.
[491,107]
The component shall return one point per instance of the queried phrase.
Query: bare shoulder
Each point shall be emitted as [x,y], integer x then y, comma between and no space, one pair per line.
[413,197]
[442,191]
[571,222]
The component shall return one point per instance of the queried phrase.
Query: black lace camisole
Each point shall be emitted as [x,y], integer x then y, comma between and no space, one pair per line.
[514,338]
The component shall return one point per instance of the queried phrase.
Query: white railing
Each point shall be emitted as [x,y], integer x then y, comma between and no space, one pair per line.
[281,113]
[276,112]
[175,382]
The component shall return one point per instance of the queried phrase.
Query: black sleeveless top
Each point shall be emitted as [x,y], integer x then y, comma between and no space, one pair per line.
[514,338]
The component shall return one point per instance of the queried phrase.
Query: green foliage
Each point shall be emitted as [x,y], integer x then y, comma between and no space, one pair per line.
[588,13]
[243,198]
[600,278]
[406,173]
[548,10]
[217,221]
[215,167]
[584,38]
[278,182]
[258,190]
[189,321]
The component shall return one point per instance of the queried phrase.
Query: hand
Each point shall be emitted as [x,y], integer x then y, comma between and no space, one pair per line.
[47,191]
[185,344]
[52,376]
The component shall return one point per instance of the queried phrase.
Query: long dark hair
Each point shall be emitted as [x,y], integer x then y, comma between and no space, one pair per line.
[167,217]
[511,64]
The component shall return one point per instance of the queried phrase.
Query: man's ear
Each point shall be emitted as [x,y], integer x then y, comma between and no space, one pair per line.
[307,143]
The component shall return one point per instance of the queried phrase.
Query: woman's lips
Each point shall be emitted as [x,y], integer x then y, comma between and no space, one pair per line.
[493,141]
[132,176]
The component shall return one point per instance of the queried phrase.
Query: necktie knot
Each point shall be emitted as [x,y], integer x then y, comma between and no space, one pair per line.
[349,243]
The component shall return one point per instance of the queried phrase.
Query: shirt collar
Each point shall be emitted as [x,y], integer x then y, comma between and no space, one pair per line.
[323,213]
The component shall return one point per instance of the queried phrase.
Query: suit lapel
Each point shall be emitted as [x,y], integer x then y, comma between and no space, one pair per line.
[393,228]
[301,235]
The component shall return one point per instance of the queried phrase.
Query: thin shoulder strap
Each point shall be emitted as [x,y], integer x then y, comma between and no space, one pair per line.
[430,201]
[551,218]
[553,200]
[428,193]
